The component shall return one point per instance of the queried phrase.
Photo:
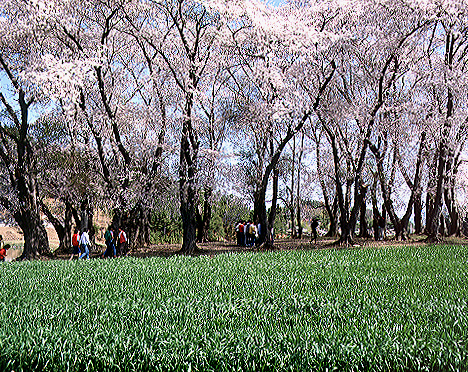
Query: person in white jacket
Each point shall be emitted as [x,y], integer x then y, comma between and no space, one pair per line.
[85,243]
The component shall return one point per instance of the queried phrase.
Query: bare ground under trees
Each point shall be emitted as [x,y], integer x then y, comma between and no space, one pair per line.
[230,247]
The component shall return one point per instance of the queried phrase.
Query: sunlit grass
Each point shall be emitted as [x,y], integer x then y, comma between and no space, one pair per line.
[373,309]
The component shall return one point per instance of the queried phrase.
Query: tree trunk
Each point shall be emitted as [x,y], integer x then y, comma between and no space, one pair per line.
[375,222]
[298,193]
[203,220]
[137,225]
[363,233]
[260,214]
[417,213]
[63,229]
[454,223]
[35,235]
[22,173]
[86,219]
[400,226]
[187,179]
[443,153]
[332,215]
[292,204]
[430,194]
[272,215]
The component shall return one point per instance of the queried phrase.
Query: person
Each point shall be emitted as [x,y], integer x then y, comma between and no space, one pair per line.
[252,233]
[3,250]
[75,244]
[240,233]
[109,238]
[314,226]
[375,225]
[122,240]
[381,227]
[244,237]
[247,233]
[1,242]
[85,243]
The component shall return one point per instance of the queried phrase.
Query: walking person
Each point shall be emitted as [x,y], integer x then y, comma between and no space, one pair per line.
[122,242]
[109,238]
[75,244]
[314,226]
[85,243]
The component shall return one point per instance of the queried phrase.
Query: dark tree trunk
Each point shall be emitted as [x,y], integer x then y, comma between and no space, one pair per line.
[259,194]
[36,241]
[363,230]
[137,226]
[375,222]
[400,226]
[348,217]
[417,213]
[135,223]
[272,215]
[20,162]
[203,220]
[292,204]
[298,193]
[63,229]
[453,225]
[260,214]
[187,180]
[86,220]
[442,225]
[430,194]
[359,203]
[331,210]
[333,216]
[443,153]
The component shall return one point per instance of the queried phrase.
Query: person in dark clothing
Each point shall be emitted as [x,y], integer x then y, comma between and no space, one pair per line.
[314,225]
[109,238]
[381,228]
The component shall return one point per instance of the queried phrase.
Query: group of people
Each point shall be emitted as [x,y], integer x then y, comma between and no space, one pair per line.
[247,233]
[116,243]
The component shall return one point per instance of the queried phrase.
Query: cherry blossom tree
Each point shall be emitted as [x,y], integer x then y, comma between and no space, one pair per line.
[24,40]
[446,77]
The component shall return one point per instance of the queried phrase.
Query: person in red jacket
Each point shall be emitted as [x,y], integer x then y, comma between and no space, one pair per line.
[3,252]
[75,244]
[122,242]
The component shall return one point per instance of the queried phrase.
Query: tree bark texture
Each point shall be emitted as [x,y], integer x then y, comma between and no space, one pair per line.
[204,218]
[22,170]
[187,179]
[292,204]
[298,193]
[63,227]
[363,233]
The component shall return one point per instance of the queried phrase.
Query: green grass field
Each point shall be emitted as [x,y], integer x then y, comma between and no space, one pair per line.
[374,309]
